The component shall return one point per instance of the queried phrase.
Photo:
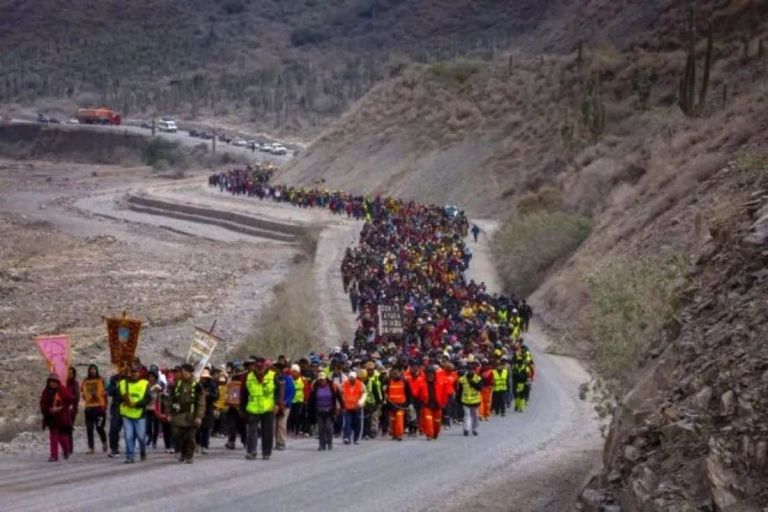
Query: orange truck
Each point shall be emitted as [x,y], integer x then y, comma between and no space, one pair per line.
[98,116]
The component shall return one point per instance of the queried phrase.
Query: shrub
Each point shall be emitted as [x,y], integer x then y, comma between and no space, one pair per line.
[632,299]
[308,35]
[233,7]
[526,247]
[162,154]
[546,199]
[288,324]
[454,72]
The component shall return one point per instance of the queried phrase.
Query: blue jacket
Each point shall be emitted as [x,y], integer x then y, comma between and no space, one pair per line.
[290,390]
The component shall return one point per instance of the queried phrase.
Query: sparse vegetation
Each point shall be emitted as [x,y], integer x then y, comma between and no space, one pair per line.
[453,72]
[632,299]
[528,246]
[162,154]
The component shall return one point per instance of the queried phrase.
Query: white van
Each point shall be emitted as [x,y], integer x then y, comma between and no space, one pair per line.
[165,125]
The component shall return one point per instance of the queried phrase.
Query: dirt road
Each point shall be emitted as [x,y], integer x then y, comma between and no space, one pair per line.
[521,462]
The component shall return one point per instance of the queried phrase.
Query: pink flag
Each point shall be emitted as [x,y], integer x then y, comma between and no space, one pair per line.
[55,349]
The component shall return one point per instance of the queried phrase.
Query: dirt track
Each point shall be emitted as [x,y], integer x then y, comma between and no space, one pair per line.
[522,462]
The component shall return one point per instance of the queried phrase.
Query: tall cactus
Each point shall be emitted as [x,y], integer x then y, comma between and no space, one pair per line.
[687,91]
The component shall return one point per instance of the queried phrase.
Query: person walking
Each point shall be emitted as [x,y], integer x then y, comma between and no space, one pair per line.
[281,419]
[55,403]
[432,397]
[261,399]
[134,396]
[322,403]
[74,390]
[475,231]
[469,387]
[297,402]
[235,417]
[521,375]
[210,393]
[187,411]
[115,419]
[399,398]
[95,397]
[353,397]
[373,399]
[500,387]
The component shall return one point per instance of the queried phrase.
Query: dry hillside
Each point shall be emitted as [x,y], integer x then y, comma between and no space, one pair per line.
[650,223]
[288,65]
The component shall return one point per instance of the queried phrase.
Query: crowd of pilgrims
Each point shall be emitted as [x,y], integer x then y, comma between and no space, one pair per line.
[459,359]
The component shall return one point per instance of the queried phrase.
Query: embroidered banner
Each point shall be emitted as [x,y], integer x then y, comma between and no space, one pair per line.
[123,335]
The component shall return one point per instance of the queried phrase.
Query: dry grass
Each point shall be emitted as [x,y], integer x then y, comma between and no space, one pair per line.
[632,299]
[526,248]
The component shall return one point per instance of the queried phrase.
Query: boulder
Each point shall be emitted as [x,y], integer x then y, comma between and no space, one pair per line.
[703,397]
[728,402]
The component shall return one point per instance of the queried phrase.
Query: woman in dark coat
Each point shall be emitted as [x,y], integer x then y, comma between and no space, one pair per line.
[55,403]
[74,389]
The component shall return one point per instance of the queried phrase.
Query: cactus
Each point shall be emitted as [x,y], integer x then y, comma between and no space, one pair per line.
[687,88]
[593,111]
[567,129]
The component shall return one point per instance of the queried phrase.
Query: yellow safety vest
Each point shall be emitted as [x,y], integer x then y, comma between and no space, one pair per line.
[299,396]
[135,391]
[261,396]
[500,380]
[469,395]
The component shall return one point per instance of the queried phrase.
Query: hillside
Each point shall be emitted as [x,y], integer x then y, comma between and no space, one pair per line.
[287,65]
[661,295]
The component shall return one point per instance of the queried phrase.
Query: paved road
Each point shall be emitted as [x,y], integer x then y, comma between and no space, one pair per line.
[180,136]
[513,453]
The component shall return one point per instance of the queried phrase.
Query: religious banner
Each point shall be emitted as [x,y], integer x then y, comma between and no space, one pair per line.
[123,335]
[55,349]
[233,393]
[390,319]
[203,345]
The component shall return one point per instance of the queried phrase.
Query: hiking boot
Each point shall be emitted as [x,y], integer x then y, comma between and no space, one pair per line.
[250,456]
[474,432]
[347,441]
[266,457]
[66,455]
[129,461]
[112,455]
[143,457]
[466,433]
[229,446]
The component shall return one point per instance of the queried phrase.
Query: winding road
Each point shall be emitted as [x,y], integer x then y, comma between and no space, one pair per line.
[530,461]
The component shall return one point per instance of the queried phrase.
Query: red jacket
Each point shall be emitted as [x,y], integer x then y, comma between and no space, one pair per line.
[61,397]
[422,395]
[415,383]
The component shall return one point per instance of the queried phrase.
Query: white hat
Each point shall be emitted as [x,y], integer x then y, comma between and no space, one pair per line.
[295,368]
[352,375]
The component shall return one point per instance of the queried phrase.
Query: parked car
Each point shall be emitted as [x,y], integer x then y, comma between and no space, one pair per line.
[146,124]
[223,137]
[165,125]
[239,142]
[205,135]
[266,147]
[279,149]
[42,118]
[54,120]
[194,133]
[73,120]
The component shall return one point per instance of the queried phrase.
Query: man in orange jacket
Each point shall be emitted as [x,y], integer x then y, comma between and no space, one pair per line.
[353,398]
[399,397]
[415,379]
[433,399]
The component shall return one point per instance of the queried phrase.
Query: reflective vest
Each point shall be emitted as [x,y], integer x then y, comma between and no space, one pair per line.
[396,392]
[135,391]
[500,380]
[299,396]
[373,384]
[469,395]
[261,395]
[351,394]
